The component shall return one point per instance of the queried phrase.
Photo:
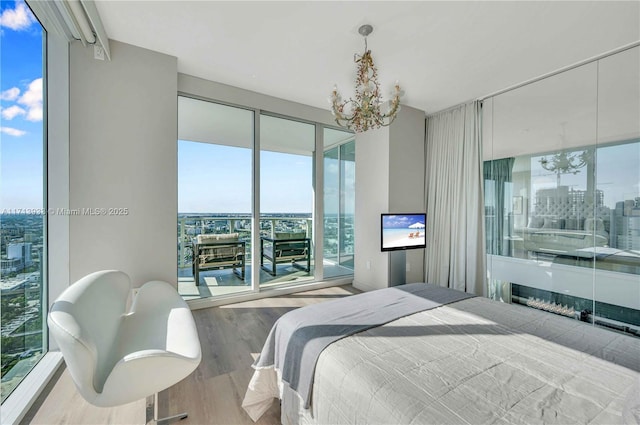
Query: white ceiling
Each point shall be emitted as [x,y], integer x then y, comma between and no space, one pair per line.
[443,53]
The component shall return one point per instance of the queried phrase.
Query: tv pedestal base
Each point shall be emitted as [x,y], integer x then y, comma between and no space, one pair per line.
[397,268]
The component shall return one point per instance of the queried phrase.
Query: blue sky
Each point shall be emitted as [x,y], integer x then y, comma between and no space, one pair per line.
[21,125]
[402,221]
[217,179]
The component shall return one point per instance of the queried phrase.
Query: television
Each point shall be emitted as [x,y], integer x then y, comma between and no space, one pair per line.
[403,231]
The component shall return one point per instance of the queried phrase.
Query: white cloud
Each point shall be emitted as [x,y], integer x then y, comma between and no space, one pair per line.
[35,114]
[12,131]
[12,111]
[17,19]
[32,99]
[10,94]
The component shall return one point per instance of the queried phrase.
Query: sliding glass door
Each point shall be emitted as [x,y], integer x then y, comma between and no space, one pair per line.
[339,203]
[286,200]
[215,190]
[248,201]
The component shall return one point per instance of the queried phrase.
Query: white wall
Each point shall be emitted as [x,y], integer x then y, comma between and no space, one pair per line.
[371,266]
[389,178]
[406,177]
[123,131]
[212,90]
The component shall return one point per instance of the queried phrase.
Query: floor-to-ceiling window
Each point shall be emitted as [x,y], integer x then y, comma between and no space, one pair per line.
[234,238]
[562,193]
[215,148]
[23,245]
[287,150]
[339,202]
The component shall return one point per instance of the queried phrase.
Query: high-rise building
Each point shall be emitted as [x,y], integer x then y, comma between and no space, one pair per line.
[13,265]
[22,251]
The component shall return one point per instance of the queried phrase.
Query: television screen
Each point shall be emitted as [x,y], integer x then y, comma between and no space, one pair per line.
[403,231]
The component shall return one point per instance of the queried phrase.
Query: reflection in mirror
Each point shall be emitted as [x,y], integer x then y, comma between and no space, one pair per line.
[556,113]
[618,180]
[562,193]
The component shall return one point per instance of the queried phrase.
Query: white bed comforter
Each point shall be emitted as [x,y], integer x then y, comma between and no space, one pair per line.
[472,362]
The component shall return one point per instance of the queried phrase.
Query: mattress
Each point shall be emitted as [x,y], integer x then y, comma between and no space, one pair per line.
[475,361]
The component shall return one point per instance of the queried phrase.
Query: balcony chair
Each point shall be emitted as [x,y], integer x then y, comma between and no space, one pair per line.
[285,248]
[218,251]
[117,355]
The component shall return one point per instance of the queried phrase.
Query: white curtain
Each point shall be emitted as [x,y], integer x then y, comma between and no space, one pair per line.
[455,254]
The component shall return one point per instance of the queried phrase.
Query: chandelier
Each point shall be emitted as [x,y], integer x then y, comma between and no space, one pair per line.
[364,112]
[566,162]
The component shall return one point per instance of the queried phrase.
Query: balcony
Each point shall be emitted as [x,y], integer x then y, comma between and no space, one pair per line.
[221,282]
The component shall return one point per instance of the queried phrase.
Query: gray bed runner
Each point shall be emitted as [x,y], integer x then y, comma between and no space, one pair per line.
[298,337]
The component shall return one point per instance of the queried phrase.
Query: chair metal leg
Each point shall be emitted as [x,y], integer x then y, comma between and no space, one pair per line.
[152,413]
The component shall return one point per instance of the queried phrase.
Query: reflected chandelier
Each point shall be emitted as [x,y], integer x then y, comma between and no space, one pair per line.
[363,112]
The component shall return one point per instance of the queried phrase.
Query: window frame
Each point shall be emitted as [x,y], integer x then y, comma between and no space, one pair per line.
[317,281]
[56,227]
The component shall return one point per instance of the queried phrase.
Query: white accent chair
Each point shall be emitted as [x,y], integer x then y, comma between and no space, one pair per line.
[117,355]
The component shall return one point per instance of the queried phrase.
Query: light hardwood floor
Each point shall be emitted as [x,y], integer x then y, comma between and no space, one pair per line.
[231,337]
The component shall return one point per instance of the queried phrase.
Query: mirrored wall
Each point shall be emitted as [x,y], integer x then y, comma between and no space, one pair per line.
[562,193]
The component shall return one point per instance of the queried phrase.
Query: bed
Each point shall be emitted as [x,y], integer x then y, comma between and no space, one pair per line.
[471,361]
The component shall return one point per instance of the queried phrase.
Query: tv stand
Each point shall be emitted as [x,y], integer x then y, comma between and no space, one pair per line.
[397,267]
